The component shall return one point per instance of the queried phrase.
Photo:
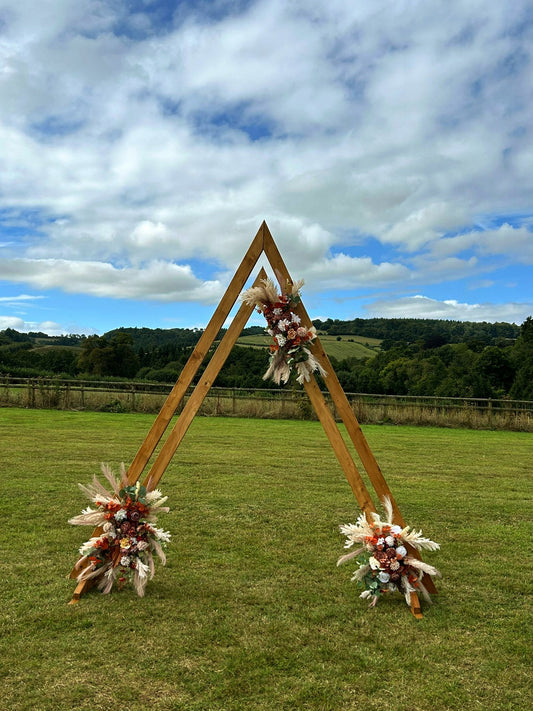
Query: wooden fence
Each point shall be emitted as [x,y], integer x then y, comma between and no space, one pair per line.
[477,413]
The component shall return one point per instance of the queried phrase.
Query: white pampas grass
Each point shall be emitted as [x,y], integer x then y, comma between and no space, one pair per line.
[386,565]
[265,293]
[126,539]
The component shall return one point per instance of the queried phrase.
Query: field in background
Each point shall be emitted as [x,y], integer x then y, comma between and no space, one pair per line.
[285,403]
[250,612]
[339,347]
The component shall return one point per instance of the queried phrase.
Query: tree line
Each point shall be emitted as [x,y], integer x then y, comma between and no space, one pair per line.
[417,357]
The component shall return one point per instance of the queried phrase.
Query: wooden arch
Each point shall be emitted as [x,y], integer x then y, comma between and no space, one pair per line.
[263,243]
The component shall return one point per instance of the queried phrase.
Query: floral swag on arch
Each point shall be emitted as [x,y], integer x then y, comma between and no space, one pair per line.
[384,561]
[127,538]
[290,337]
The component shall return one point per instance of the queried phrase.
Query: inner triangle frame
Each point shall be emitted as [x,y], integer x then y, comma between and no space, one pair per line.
[263,243]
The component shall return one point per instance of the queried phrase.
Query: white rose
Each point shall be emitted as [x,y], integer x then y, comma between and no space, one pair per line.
[389,540]
[383,577]
[401,551]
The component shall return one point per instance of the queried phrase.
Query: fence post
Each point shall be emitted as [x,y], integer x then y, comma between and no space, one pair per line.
[31,393]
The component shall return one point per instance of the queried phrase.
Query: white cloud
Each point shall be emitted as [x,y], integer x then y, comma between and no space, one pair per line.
[19,324]
[19,299]
[512,242]
[156,281]
[351,273]
[420,306]
[139,148]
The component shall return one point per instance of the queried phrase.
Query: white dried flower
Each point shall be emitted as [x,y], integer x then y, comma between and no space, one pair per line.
[373,563]
[161,535]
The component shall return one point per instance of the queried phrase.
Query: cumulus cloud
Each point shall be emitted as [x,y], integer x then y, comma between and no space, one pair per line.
[139,143]
[420,306]
[515,243]
[157,281]
[19,324]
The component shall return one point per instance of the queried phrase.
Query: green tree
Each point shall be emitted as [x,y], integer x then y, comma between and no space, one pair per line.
[522,358]
[109,358]
[493,373]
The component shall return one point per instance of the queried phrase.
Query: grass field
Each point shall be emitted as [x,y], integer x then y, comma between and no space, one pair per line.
[339,347]
[250,611]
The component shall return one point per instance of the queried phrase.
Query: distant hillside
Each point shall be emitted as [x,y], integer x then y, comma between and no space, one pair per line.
[411,330]
[339,347]
[149,338]
[391,356]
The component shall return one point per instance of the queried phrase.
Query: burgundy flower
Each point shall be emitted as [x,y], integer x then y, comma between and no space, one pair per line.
[135,516]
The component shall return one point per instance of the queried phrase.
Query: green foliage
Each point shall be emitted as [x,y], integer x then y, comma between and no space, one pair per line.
[250,611]
[522,359]
[432,332]
[414,357]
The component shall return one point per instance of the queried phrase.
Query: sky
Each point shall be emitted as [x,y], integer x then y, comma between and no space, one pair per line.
[387,144]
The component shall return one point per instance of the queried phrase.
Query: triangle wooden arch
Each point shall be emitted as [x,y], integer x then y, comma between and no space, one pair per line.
[263,243]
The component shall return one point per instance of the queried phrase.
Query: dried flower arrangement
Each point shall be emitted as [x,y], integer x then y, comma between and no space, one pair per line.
[125,548]
[290,337]
[384,562]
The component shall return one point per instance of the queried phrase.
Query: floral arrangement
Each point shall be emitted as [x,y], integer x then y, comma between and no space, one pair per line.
[125,518]
[384,562]
[290,337]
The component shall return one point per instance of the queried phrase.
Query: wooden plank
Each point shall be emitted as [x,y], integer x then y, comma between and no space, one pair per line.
[339,446]
[191,367]
[262,242]
[337,393]
[415,606]
[200,391]
[317,399]
[341,403]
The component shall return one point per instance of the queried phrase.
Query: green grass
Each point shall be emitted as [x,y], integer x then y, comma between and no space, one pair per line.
[250,611]
[346,347]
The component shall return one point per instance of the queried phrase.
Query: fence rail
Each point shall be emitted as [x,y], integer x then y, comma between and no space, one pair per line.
[266,403]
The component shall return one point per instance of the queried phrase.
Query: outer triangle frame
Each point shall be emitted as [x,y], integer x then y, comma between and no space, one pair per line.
[262,243]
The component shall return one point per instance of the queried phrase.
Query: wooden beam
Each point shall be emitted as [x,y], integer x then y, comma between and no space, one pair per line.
[338,444]
[200,391]
[263,242]
[191,367]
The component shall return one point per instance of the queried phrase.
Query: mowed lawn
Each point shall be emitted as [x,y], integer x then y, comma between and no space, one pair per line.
[250,611]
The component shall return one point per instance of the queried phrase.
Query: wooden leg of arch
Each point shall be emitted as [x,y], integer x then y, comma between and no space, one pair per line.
[81,588]
[415,606]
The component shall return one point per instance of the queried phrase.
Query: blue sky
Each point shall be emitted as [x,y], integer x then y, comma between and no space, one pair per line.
[388,145]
